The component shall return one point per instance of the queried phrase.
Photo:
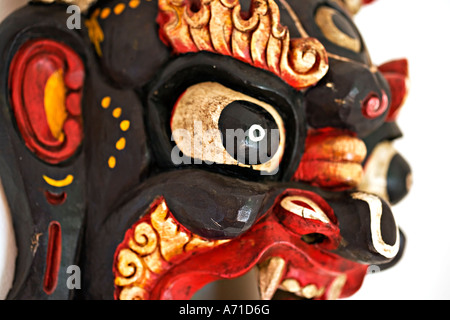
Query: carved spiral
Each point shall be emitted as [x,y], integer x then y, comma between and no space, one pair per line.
[259,39]
[144,239]
[130,268]
[305,57]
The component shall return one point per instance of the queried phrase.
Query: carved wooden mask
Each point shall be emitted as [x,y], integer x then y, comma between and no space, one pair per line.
[167,144]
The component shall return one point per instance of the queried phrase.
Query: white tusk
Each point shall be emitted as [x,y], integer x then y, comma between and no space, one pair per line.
[270,275]
[317,213]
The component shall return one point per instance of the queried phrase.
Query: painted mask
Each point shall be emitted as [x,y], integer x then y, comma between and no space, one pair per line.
[163,145]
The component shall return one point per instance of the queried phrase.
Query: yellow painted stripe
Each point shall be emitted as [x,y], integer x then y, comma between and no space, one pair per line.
[55,104]
[59,183]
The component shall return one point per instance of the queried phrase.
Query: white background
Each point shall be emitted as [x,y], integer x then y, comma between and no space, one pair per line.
[418,30]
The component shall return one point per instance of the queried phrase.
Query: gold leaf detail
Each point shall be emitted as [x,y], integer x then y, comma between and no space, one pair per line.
[172,241]
[144,241]
[260,39]
[130,267]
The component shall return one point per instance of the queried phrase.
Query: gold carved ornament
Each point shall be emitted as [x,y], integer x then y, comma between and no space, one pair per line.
[149,249]
[218,26]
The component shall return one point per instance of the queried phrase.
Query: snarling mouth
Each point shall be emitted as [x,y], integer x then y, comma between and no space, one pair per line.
[160,259]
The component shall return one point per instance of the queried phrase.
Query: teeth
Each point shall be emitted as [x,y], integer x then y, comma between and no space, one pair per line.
[336,287]
[271,273]
[309,291]
[291,285]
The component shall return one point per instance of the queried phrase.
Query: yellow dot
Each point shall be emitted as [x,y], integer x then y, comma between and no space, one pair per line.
[112,162]
[118,9]
[106,101]
[134,3]
[125,125]
[105,13]
[120,144]
[96,13]
[117,112]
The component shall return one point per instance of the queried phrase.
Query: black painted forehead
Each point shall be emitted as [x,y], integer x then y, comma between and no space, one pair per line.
[327,21]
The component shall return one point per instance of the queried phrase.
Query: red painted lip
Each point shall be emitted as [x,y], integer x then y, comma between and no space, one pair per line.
[334,145]
[332,159]
[177,283]
[307,264]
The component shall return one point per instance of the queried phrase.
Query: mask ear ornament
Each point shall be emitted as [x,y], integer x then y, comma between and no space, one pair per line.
[397,76]
[46,79]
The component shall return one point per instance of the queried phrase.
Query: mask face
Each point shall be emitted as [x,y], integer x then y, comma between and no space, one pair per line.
[168,144]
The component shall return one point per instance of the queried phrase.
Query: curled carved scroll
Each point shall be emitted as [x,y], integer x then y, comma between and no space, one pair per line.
[256,37]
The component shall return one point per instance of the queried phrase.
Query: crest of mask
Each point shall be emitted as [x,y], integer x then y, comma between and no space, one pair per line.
[167,144]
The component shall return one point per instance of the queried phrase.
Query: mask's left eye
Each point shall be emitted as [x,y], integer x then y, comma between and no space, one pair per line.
[216,124]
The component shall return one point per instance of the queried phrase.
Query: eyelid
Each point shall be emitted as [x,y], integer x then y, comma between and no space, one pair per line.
[202,104]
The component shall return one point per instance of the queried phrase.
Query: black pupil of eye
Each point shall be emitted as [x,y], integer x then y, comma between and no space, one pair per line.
[249,132]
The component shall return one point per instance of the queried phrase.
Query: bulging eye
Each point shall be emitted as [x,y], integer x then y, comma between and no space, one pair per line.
[216,124]
[249,133]
[338,29]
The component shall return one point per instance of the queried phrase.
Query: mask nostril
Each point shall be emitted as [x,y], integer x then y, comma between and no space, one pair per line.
[373,106]
[314,238]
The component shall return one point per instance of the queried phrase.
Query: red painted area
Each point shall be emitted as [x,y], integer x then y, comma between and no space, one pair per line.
[32,66]
[53,257]
[55,199]
[373,106]
[327,155]
[397,75]
[279,233]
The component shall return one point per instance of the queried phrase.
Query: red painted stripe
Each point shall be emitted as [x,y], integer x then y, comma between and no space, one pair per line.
[53,257]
